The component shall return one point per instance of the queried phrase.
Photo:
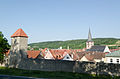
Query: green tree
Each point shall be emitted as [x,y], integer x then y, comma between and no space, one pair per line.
[4,46]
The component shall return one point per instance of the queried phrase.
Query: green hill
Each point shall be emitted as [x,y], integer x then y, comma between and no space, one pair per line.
[74,44]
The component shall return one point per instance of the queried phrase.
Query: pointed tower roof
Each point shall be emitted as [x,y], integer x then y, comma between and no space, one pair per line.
[89,36]
[19,33]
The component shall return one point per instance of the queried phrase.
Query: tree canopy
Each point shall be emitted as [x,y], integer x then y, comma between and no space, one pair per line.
[4,46]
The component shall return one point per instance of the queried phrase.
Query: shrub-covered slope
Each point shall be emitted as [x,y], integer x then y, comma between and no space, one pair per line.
[73,44]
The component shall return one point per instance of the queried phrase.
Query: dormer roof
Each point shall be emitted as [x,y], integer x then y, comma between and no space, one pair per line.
[19,33]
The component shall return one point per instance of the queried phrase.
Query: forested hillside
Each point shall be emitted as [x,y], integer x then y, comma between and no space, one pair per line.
[74,44]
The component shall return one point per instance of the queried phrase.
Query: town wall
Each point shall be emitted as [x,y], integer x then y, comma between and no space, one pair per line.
[70,66]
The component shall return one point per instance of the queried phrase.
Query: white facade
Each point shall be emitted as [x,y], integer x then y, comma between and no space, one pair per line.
[49,55]
[67,57]
[115,60]
[89,44]
[97,60]
[84,59]
[107,49]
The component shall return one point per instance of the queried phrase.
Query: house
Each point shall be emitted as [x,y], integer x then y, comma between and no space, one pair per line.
[91,56]
[64,54]
[48,54]
[57,53]
[74,55]
[61,54]
[113,57]
[87,57]
[71,56]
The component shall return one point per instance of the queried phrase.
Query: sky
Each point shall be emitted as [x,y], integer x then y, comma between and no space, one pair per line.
[56,20]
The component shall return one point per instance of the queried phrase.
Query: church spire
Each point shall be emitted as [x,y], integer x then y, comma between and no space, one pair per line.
[89,36]
[90,42]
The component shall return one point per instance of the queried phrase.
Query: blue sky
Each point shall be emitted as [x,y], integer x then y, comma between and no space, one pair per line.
[51,20]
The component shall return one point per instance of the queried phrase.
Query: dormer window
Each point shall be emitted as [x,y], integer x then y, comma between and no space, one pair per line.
[67,57]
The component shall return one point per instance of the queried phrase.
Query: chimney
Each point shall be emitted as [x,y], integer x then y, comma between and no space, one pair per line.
[68,47]
[60,47]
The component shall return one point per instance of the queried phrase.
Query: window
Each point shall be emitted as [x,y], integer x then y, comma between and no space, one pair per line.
[67,57]
[111,60]
[117,61]
[56,56]
[59,56]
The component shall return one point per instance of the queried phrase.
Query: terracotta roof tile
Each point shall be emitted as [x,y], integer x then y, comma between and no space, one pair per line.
[19,33]
[80,55]
[91,55]
[43,51]
[33,54]
[58,53]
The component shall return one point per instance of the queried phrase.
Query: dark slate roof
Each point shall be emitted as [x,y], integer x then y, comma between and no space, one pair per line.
[97,48]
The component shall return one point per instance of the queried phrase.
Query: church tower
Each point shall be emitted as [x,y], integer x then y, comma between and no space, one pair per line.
[19,41]
[89,42]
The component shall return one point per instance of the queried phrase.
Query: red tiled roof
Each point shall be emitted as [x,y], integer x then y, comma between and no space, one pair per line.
[33,54]
[91,55]
[75,53]
[19,33]
[60,53]
[57,54]
[80,55]
[75,56]
[43,51]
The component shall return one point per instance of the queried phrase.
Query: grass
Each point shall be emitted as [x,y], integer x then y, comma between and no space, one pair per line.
[53,75]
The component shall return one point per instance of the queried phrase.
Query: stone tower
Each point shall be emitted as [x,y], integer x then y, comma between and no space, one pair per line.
[18,50]
[89,42]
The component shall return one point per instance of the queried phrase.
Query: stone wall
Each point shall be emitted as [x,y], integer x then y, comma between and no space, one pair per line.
[19,45]
[70,66]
